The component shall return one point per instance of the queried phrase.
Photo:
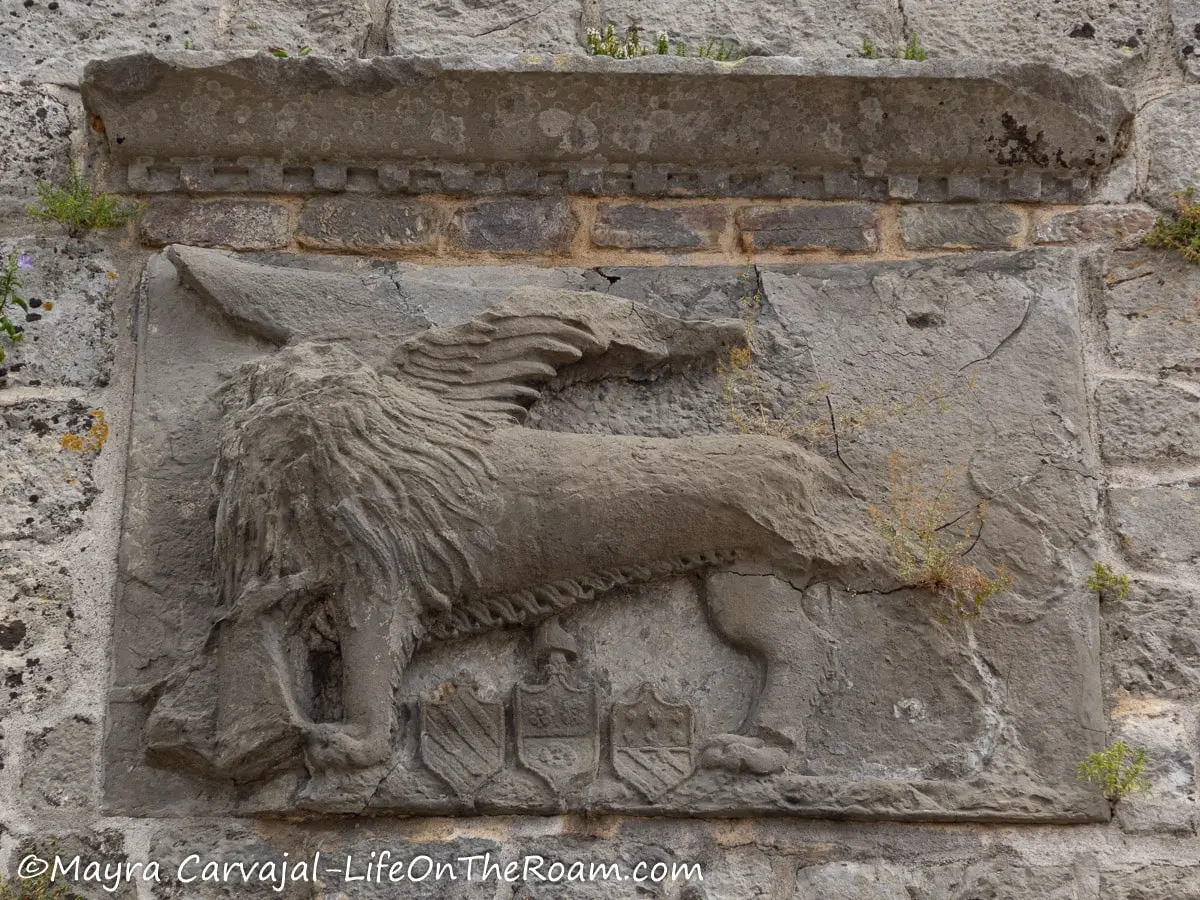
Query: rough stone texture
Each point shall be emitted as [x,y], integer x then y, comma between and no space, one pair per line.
[45,489]
[1152,314]
[1167,732]
[71,341]
[1143,421]
[849,226]
[35,132]
[1154,636]
[1185,16]
[48,45]
[763,28]
[515,226]
[1157,524]
[329,27]
[1172,156]
[367,223]
[236,224]
[1122,226]
[58,765]
[819,115]
[433,28]
[980,226]
[1152,881]
[632,226]
[984,879]
[1121,41]
[36,632]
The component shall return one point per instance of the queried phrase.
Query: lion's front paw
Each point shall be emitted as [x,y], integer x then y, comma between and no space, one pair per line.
[332,746]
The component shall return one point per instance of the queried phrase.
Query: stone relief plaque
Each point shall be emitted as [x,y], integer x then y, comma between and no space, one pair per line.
[454,541]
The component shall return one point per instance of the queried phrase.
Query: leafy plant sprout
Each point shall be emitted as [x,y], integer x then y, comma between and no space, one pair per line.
[604,42]
[10,283]
[1120,770]
[1108,583]
[1184,233]
[78,207]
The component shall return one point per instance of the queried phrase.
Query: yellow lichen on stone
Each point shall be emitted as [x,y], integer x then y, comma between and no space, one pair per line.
[93,441]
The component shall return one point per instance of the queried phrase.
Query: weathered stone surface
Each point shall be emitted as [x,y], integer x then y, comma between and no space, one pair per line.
[173,844]
[35,132]
[1139,814]
[446,296]
[947,756]
[1120,41]
[1167,731]
[848,226]
[48,44]
[46,488]
[1157,524]
[432,28]
[329,27]
[70,335]
[1185,16]
[36,632]
[983,226]
[284,305]
[236,224]
[367,223]
[850,881]
[1144,421]
[1120,226]
[763,28]
[1151,313]
[58,770]
[633,226]
[759,114]
[515,226]
[1154,640]
[1173,156]
[1152,881]
[89,845]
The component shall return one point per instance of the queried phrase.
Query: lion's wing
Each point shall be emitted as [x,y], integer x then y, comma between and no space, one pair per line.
[498,363]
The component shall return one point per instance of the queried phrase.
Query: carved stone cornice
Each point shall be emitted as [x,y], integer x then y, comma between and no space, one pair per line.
[785,127]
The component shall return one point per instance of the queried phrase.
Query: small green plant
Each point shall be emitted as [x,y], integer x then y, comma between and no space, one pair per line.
[604,42]
[189,44]
[40,888]
[77,207]
[928,542]
[1184,233]
[1120,770]
[1108,583]
[10,283]
[913,50]
[303,50]
[869,50]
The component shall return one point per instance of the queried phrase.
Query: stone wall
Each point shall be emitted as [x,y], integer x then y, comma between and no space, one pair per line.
[65,403]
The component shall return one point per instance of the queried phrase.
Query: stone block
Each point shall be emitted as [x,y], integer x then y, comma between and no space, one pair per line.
[37,632]
[1166,730]
[1151,314]
[851,881]
[367,223]
[1153,639]
[59,766]
[983,226]
[1119,41]
[234,224]
[435,28]
[1185,17]
[633,226]
[1165,138]
[45,488]
[35,131]
[69,331]
[49,43]
[329,27]
[1120,226]
[1157,525]
[516,226]
[1138,814]
[1147,422]
[844,226]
